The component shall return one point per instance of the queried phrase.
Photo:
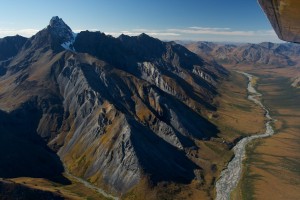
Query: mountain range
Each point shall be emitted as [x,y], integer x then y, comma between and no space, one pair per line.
[112,111]
[115,111]
[262,54]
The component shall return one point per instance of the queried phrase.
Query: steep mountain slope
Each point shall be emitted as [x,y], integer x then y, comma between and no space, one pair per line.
[23,152]
[10,46]
[116,110]
[266,53]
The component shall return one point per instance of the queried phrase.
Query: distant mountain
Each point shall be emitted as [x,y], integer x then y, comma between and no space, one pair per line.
[115,110]
[266,53]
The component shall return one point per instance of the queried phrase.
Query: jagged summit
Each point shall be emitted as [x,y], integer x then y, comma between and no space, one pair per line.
[56,36]
[116,111]
[143,35]
[57,22]
[62,31]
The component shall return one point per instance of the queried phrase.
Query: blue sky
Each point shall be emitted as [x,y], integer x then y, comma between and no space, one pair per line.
[209,20]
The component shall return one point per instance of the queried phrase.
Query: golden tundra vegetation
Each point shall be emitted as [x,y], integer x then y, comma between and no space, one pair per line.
[235,117]
[76,89]
[271,168]
[73,191]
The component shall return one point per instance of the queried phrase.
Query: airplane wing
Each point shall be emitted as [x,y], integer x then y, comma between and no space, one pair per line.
[284,16]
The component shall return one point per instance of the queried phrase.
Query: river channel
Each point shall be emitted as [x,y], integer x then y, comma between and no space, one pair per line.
[230,176]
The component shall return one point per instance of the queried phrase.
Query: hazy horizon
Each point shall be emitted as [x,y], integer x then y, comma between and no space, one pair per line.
[204,20]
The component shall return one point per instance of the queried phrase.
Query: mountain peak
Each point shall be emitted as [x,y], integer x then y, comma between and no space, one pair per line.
[57,22]
[144,36]
[62,31]
[59,26]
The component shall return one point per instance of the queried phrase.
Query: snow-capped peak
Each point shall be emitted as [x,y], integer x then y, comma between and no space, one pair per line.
[63,31]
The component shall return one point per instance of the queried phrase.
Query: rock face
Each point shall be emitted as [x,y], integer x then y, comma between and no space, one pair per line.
[10,46]
[266,53]
[114,109]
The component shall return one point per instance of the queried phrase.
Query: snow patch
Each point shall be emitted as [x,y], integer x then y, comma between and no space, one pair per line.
[69,44]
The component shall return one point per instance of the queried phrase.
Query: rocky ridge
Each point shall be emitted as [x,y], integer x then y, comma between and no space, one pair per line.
[115,110]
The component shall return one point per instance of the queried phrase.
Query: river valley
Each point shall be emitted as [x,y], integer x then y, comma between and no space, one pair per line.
[231,175]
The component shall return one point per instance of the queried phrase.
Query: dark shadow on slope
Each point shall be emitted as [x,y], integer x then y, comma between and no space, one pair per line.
[3,66]
[104,47]
[125,52]
[10,46]
[22,152]
[190,90]
[97,85]
[2,70]
[160,160]
[196,125]
[13,191]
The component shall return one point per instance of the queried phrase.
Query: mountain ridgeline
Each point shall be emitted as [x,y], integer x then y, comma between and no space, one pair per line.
[262,54]
[265,54]
[115,110]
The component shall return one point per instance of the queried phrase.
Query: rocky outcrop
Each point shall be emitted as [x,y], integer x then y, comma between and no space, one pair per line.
[296,82]
[115,110]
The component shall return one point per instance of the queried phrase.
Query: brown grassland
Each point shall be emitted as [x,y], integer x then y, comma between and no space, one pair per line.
[272,165]
[234,117]
[73,191]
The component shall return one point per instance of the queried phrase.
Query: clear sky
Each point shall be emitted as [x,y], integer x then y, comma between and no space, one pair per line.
[209,20]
